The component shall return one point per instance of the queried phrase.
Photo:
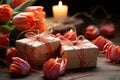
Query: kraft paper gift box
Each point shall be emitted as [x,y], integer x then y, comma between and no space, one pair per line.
[36,52]
[84,54]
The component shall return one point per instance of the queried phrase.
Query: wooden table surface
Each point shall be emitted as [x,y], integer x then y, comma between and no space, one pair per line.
[103,71]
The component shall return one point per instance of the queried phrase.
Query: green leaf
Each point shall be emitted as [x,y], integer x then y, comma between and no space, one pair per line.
[8,28]
[1,2]
[7,2]
[24,5]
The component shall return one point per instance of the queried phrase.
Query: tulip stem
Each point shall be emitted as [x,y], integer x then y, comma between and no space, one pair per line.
[1,2]
[8,22]
[24,5]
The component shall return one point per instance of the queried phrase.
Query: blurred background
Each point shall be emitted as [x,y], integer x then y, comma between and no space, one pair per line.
[106,8]
[111,6]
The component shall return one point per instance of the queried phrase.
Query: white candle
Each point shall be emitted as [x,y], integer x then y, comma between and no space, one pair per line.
[60,12]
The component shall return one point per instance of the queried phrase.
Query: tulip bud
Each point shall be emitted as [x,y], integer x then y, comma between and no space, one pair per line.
[24,21]
[108,30]
[113,53]
[37,10]
[39,14]
[6,13]
[91,32]
[15,3]
[54,67]
[41,25]
[70,35]
[102,43]
[19,66]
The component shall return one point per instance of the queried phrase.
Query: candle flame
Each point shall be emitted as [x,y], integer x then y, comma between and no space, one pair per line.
[60,4]
[71,30]
[56,59]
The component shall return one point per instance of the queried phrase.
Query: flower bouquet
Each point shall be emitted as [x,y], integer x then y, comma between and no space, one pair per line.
[17,16]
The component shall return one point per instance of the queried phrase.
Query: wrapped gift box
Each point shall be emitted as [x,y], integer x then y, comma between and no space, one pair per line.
[36,52]
[83,54]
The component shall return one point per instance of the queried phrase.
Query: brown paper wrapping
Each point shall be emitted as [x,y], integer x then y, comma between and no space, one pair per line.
[82,55]
[36,52]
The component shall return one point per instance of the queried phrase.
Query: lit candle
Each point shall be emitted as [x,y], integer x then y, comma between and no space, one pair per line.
[60,12]
[71,35]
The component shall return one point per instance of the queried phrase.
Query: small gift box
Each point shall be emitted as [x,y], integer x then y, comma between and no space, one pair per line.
[38,49]
[80,55]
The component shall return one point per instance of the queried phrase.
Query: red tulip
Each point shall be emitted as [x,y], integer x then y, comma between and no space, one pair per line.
[37,10]
[91,32]
[4,38]
[54,67]
[11,52]
[39,17]
[113,53]
[102,43]
[15,3]
[108,30]
[41,25]
[24,21]
[19,66]
[6,13]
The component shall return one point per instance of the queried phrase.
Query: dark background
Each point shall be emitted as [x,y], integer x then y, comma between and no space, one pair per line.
[111,6]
